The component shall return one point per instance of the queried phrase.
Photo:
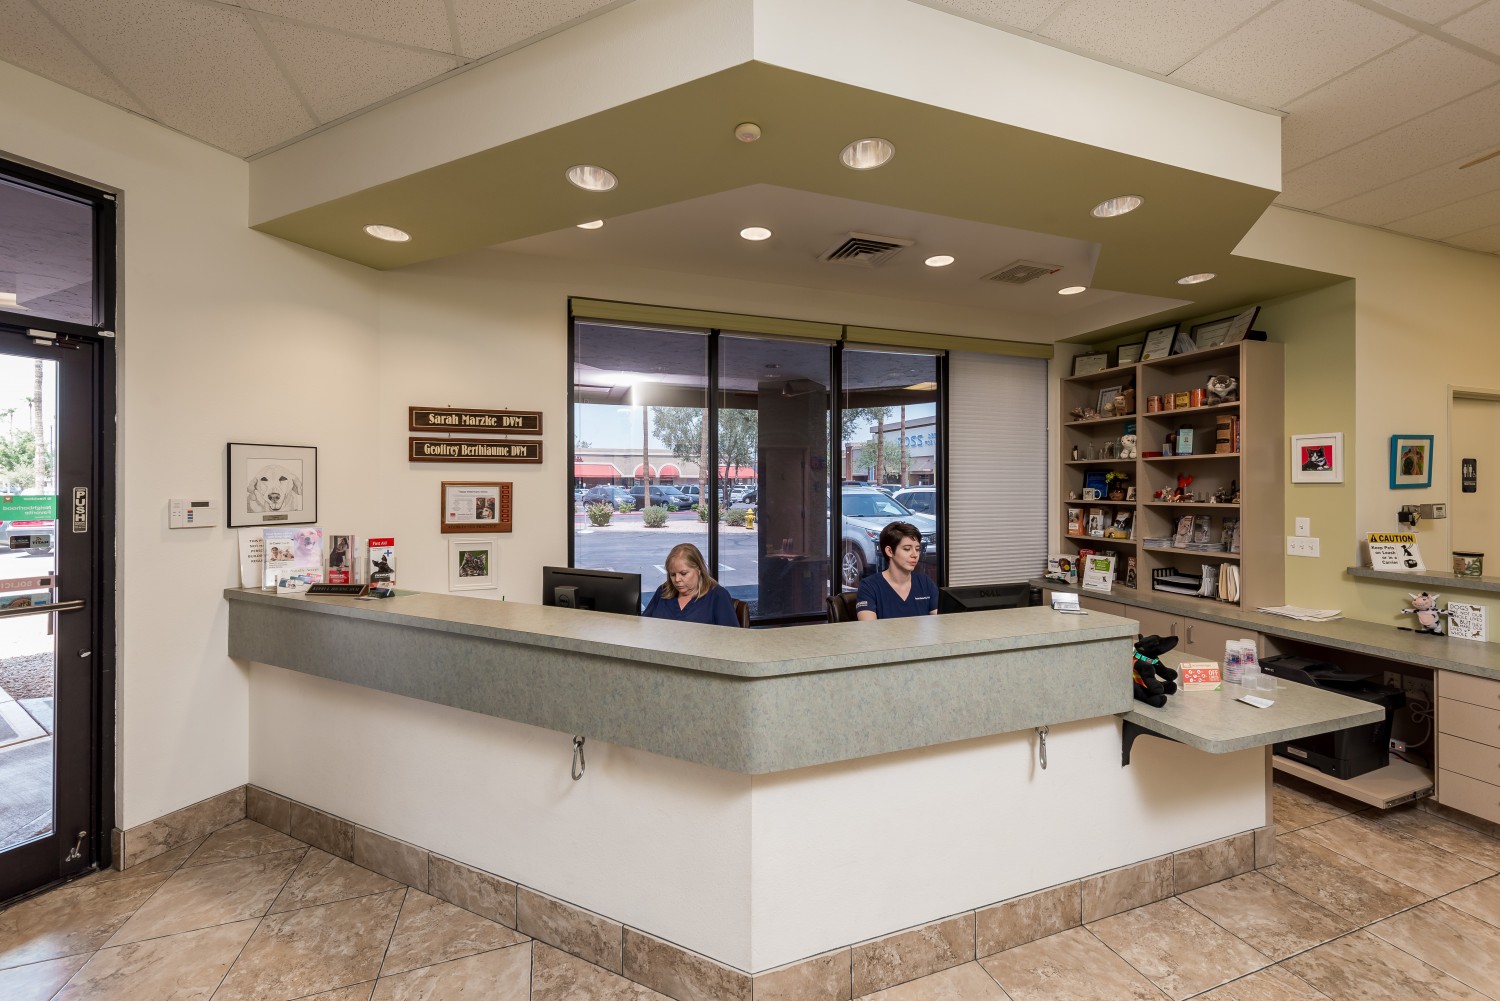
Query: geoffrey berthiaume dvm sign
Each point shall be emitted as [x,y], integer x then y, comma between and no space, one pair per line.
[473,450]
[474,421]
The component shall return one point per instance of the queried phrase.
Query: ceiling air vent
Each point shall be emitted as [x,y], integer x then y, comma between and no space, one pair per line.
[862,250]
[1021,272]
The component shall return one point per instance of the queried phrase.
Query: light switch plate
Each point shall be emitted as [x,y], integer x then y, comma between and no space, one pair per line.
[1304,527]
[1297,546]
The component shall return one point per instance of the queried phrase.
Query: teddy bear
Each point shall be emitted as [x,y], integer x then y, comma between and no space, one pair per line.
[1153,680]
[1424,607]
[1127,446]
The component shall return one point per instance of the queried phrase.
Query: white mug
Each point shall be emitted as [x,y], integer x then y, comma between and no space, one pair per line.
[1090,493]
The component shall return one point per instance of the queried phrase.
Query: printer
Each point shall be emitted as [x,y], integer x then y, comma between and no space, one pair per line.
[1342,753]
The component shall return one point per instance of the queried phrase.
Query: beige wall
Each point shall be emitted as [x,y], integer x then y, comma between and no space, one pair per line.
[1473,525]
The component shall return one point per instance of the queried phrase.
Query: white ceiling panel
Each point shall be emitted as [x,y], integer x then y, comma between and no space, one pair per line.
[338,74]
[1423,192]
[1467,126]
[1487,240]
[32,42]
[486,26]
[1410,80]
[1156,35]
[410,22]
[1026,15]
[1480,26]
[1290,49]
[200,68]
[1431,11]
[1452,220]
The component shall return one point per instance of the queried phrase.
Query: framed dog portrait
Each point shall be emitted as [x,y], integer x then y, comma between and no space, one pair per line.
[1411,461]
[271,485]
[1318,458]
[471,564]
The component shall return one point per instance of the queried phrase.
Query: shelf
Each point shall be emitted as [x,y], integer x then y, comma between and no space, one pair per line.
[1096,421]
[1195,455]
[1396,783]
[1443,580]
[1103,374]
[1182,361]
[1101,539]
[1191,552]
[1094,462]
[1161,504]
[1092,503]
[1191,410]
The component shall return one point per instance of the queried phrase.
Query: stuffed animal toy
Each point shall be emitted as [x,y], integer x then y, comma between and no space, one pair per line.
[1127,446]
[1154,681]
[1424,607]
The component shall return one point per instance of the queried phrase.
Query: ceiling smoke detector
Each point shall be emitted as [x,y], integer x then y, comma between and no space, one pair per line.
[864,250]
[1021,272]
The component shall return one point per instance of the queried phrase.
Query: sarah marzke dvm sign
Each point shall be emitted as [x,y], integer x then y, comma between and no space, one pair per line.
[474,421]
[473,450]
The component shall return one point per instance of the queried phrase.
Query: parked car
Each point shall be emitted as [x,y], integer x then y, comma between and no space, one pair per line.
[739,493]
[866,512]
[923,500]
[661,496]
[36,537]
[607,495]
[690,491]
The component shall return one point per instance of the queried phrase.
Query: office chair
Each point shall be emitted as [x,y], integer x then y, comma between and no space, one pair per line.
[741,612]
[841,607]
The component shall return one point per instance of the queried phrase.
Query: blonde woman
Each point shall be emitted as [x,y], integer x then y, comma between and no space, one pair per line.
[690,594]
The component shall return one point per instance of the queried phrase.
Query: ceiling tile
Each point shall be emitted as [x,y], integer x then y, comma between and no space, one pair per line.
[410,22]
[1487,240]
[200,68]
[1480,26]
[1422,192]
[486,26]
[1155,35]
[1431,11]
[1290,49]
[338,74]
[1026,15]
[33,43]
[1454,219]
[1411,79]
[1460,129]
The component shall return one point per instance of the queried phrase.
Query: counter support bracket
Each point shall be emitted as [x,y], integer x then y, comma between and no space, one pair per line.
[1128,735]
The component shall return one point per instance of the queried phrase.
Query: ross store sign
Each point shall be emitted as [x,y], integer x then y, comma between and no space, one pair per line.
[472,450]
[474,421]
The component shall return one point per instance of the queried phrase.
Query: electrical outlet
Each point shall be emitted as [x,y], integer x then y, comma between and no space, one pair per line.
[1418,686]
[1296,546]
[1398,745]
[1304,527]
[1393,680]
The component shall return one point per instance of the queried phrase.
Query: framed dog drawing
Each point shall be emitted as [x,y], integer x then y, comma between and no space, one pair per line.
[271,485]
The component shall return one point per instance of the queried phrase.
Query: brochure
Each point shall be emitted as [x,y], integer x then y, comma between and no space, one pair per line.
[382,561]
[276,544]
[1098,572]
[1199,676]
[341,550]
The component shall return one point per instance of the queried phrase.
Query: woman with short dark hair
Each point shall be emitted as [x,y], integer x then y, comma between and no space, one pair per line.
[897,591]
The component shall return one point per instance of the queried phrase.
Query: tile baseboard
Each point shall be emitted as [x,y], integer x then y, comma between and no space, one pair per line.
[175,829]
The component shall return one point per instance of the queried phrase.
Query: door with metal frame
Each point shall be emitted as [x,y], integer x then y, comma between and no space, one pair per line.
[50,573]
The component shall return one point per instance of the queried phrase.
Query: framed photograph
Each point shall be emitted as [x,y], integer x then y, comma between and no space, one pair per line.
[1411,461]
[1318,458]
[1240,325]
[270,485]
[471,564]
[1108,395]
[1158,343]
[1130,353]
[1089,364]
[476,507]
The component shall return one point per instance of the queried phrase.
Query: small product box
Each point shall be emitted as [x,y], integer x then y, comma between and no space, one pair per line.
[1199,676]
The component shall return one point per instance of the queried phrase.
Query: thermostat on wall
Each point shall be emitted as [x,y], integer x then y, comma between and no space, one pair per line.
[192,514]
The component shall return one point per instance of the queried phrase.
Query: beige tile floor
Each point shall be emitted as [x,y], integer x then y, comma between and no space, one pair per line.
[1361,905]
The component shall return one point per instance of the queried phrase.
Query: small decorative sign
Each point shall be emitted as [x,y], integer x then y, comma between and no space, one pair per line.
[80,509]
[347,590]
[1470,472]
[473,450]
[474,421]
[1468,622]
[1395,551]
[28,507]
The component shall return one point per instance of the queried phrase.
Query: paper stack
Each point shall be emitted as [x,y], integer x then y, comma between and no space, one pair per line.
[1305,614]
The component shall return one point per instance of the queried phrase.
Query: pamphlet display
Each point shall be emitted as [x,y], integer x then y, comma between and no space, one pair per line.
[1098,572]
[382,561]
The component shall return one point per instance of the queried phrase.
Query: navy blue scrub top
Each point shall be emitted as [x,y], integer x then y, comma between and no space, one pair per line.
[876,595]
[715,608]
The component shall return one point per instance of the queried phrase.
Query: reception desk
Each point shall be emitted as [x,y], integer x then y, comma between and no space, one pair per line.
[754,796]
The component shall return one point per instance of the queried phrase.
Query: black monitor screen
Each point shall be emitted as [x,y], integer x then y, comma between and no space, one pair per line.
[983,597]
[600,590]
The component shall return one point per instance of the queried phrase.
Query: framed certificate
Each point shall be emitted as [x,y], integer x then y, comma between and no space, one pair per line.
[1158,343]
[476,507]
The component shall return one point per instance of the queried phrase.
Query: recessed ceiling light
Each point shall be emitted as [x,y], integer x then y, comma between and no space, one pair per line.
[1119,205]
[747,132]
[1072,290]
[390,233]
[590,178]
[755,233]
[867,154]
[939,261]
[596,224]
[1195,279]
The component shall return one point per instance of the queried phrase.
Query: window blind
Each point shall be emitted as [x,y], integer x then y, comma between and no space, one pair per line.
[997,468]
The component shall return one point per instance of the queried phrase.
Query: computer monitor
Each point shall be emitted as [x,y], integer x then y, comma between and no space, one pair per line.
[983,597]
[599,590]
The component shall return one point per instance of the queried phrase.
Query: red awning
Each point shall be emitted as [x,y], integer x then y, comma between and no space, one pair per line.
[669,470]
[638,471]
[737,472]
[595,469]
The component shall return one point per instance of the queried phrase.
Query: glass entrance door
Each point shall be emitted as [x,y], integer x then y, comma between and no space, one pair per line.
[49,819]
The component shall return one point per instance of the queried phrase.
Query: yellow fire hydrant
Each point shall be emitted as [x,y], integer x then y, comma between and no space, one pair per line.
[750,518]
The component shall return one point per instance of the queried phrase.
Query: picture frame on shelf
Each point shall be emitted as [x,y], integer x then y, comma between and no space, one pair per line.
[1107,395]
[1158,343]
[473,506]
[1091,363]
[270,484]
[1411,461]
[1129,354]
[1318,458]
[1240,326]
[471,565]
[1212,335]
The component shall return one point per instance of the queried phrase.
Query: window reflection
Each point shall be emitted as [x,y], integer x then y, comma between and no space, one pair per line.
[46,255]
